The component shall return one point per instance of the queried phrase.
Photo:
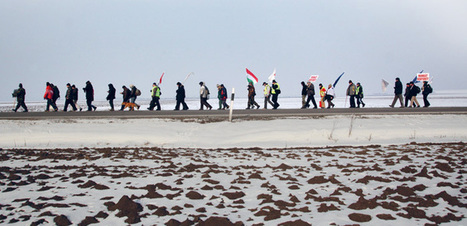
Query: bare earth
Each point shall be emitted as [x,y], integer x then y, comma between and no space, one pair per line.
[421,184]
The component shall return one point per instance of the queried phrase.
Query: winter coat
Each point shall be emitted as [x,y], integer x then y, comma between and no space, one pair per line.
[49,93]
[351,90]
[74,94]
[330,91]
[304,89]
[414,91]
[426,89]
[133,91]
[20,95]
[111,94]
[359,91]
[155,91]
[398,88]
[56,93]
[251,91]
[407,92]
[310,90]
[180,93]
[267,90]
[69,93]
[322,92]
[203,92]
[126,94]
[89,90]
[224,93]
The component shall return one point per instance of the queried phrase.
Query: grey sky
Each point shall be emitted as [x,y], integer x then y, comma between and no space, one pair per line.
[133,42]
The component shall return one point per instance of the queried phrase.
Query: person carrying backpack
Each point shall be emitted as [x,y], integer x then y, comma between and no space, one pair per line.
[20,94]
[203,94]
[414,90]
[426,89]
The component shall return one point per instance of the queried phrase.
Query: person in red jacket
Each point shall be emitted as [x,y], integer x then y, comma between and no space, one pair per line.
[49,94]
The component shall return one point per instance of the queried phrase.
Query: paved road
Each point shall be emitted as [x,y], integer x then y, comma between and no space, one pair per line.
[236,113]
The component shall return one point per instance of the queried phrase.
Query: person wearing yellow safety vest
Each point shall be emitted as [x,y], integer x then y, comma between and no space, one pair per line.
[267,95]
[275,91]
[155,94]
[322,93]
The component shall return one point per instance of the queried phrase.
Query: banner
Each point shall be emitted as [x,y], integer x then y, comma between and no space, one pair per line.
[313,78]
[422,77]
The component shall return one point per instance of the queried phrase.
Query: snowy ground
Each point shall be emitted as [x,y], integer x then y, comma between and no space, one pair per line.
[369,170]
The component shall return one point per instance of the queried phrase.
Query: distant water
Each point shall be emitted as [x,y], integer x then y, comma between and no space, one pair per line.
[439,99]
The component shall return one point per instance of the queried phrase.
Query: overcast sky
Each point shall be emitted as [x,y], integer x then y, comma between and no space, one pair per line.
[134,42]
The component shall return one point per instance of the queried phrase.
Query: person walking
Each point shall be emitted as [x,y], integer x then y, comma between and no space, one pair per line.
[414,90]
[89,90]
[426,89]
[351,90]
[224,98]
[407,94]
[135,92]
[74,96]
[275,91]
[359,95]
[126,97]
[322,94]
[49,94]
[180,97]
[20,95]
[267,95]
[56,94]
[155,96]
[203,96]
[397,93]
[69,98]
[304,93]
[251,96]
[111,96]
[330,96]
[310,92]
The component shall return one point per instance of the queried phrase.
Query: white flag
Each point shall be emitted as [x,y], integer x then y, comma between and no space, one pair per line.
[384,85]
[272,76]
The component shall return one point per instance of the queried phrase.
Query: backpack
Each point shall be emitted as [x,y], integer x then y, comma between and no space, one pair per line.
[417,89]
[429,89]
[138,92]
[15,93]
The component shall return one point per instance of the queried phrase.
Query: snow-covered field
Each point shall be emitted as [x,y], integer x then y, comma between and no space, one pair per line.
[327,170]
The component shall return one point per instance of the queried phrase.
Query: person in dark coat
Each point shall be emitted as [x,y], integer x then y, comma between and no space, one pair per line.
[20,94]
[180,97]
[407,94]
[74,96]
[69,98]
[310,92]
[304,93]
[111,96]
[89,90]
[414,90]
[397,93]
[126,97]
[426,89]
[351,91]
[56,94]
[251,97]
[275,91]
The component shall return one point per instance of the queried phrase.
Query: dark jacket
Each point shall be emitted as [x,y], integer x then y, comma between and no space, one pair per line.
[427,89]
[111,94]
[310,90]
[89,90]
[56,94]
[180,93]
[251,91]
[20,93]
[133,92]
[69,93]
[398,88]
[304,88]
[414,91]
[126,94]
[407,92]
[74,94]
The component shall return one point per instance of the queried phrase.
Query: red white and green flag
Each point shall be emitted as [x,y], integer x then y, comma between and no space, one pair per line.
[250,77]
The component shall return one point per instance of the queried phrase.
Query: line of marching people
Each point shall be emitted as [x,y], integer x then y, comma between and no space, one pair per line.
[271,94]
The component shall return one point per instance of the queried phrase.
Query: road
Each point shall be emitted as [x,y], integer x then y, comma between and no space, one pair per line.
[260,113]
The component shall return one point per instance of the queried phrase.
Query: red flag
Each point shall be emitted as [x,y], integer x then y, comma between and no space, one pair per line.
[160,80]
[251,78]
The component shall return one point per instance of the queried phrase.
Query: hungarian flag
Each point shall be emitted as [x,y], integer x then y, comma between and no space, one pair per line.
[160,80]
[250,77]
